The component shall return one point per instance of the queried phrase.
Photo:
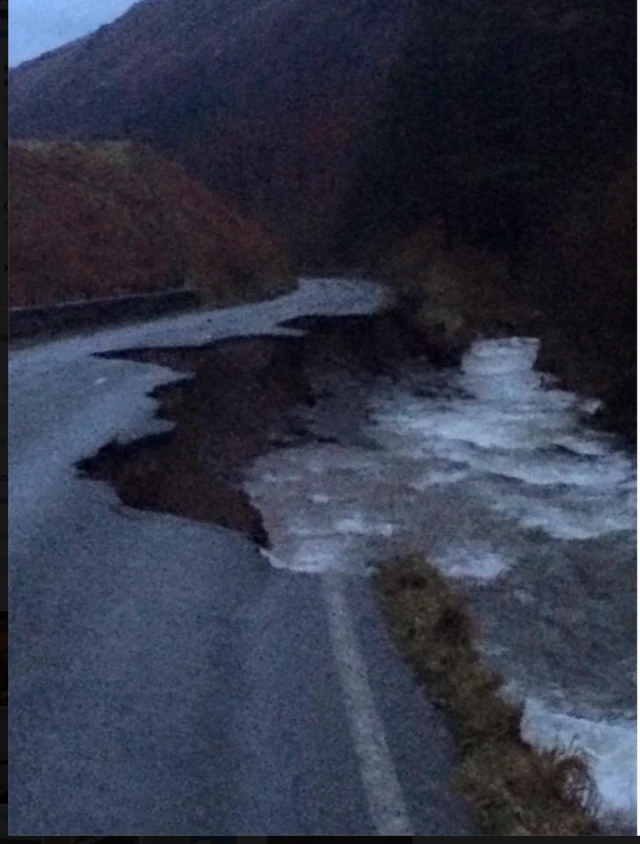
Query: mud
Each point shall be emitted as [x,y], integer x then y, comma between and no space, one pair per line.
[243,397]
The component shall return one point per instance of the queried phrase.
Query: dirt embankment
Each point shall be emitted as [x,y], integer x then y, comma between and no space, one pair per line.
[239,400]
[112,218]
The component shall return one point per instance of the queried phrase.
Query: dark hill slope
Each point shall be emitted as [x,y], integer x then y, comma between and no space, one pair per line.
[509,128]
[260,99]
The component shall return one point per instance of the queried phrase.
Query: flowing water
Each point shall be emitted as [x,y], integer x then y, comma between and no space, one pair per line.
[497,476]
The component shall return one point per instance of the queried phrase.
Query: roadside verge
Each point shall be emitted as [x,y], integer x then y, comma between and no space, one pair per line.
[513,788]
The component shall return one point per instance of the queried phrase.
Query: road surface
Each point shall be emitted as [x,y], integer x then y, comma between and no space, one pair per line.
[165,680]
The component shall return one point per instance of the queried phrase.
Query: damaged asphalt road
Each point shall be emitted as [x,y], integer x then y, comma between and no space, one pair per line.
[165,680]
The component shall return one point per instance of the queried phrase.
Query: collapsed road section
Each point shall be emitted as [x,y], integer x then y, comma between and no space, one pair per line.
[241,399]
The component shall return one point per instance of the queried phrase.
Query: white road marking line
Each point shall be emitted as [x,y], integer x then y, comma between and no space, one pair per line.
[384,794]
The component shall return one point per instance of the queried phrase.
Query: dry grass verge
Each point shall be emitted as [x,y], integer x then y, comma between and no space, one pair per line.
[513,788]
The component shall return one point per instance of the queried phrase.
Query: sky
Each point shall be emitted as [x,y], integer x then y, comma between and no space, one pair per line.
[36,26]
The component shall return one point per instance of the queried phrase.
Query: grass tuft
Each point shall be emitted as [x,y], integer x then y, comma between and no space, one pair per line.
[513,788]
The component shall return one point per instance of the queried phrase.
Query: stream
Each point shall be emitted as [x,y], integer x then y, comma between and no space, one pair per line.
[497,477]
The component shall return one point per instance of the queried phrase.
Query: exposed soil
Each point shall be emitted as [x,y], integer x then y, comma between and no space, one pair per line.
[240,400]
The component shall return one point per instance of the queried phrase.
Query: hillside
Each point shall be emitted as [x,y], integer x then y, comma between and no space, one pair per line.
[114,218]
[507,140]
[262,100]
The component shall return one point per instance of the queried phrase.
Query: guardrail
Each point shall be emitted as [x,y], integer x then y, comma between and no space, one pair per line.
[55,319]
